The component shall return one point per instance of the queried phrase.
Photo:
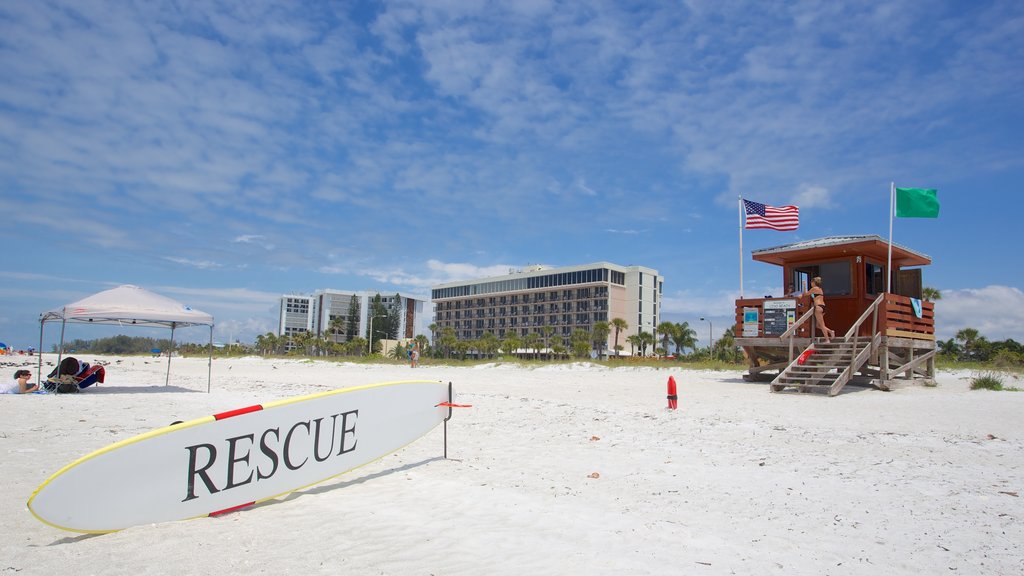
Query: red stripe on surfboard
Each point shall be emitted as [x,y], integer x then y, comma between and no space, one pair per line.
[240,411]
[232,509]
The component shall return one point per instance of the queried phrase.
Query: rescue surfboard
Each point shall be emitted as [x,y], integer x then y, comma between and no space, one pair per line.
[234,459]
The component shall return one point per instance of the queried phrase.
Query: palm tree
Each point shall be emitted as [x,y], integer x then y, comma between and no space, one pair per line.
[510,344]
[356,346]
[725,346]
[263,343]
[488,344]
[399,352]
[684,337]
[336,327]
[433,333]
[949,348]
[666,329]
[645,338]
[424,343]
[929,294]
[619,325]
[532,341]
[600,336]
[447,340]
[634,343]
[969,338]
[579,342]
[302,341]
[547,331]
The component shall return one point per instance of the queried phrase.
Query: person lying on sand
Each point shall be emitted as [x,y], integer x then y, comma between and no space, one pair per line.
[20,384]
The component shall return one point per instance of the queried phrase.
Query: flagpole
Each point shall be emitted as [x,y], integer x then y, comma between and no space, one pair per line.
[892,210]
[741,244]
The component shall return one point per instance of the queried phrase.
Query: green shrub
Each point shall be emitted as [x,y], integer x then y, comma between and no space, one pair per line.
[1008,359]
[989,381]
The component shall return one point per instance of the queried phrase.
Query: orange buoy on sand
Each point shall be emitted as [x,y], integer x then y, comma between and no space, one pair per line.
[672,397]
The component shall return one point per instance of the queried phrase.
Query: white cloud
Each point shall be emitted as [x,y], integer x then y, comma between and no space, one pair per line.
[695,303]
[257,239]
[453,271]
[581,183]
[243,330]
[997,312]
[201,264]
[808,196]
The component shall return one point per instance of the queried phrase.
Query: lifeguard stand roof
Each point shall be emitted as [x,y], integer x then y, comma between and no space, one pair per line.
[838,246]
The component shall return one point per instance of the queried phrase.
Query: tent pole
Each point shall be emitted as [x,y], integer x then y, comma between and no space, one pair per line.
[170,353]
[60,350]
[209,363]
[39,371]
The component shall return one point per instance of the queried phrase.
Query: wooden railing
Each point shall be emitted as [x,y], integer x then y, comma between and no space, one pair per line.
[899,318]
[791,331]
[872,311]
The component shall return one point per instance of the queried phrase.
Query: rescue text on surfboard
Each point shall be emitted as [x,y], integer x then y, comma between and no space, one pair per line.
[302,440]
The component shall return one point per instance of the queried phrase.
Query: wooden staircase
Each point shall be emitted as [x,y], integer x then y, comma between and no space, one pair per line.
[828,367]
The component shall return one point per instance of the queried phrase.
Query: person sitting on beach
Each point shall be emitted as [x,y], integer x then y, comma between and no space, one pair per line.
[74,376]
[817,296]
[20,384]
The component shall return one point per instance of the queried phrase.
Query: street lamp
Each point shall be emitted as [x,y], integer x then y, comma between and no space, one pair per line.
[711,340]
[369,344]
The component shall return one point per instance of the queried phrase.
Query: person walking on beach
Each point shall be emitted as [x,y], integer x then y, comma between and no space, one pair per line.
[20,384]
[817,296]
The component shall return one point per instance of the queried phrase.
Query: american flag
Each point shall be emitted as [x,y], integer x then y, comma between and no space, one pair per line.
[780,218]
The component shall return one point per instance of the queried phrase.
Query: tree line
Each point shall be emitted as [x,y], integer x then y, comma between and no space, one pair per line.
[668,339]
[114,345]
[968,345]
[678,340]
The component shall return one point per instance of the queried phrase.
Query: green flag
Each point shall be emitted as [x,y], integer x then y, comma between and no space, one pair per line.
[917,203]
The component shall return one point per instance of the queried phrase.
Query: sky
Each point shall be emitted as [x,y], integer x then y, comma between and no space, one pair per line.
[227,153]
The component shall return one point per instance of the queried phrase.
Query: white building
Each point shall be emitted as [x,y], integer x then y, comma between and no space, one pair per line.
[314,313]
[567,298]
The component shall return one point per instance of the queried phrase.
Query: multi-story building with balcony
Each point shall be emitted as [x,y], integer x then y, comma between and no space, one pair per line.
[566,299]
[314,313]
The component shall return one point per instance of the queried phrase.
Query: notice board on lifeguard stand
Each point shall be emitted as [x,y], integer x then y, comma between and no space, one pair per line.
[779,315]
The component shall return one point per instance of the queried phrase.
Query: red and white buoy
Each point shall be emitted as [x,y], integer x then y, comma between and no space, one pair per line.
[672,398]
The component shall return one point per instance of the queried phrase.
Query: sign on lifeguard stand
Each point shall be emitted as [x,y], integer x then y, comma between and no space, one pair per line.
[779,315]
[751,323]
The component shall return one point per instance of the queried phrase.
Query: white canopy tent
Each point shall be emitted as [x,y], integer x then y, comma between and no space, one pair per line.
[128,305]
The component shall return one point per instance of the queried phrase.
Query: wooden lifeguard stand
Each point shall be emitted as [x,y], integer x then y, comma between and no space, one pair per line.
[882,338]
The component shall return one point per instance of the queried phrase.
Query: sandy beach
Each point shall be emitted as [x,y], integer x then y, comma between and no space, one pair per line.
[568,469]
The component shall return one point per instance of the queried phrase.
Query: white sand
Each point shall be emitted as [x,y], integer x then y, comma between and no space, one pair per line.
[737,481]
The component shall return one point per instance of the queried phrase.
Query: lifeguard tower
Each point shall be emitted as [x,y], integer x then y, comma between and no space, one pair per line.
[882,338]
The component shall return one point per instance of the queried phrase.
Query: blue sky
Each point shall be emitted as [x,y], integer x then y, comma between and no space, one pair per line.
[225,153]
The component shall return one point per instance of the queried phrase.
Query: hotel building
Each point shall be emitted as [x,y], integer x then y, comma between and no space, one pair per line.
[314,313]
[567,299]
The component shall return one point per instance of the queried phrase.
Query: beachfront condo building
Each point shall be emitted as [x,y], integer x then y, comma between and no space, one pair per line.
[565,299]
[349,312]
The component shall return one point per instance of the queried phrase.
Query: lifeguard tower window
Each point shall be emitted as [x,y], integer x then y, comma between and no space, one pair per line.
[875,276]
[835,277]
